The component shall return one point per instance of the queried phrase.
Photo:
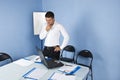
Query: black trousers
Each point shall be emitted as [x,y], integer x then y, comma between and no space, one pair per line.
[49,52]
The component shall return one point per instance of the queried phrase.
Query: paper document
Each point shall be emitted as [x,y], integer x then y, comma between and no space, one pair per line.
[23,62]
[69,69]
[60,76]
[35,73]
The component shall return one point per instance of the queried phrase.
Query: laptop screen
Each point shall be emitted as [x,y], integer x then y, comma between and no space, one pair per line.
[42,57]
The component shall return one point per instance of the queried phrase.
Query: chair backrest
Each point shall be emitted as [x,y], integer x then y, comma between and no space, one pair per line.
[85,54]
[5,56]
[69,48]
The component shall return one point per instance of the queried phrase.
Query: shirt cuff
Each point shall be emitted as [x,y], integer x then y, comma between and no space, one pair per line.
[46,32]
[61,47]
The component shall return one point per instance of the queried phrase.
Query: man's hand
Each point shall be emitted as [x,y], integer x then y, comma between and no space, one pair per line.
[57,49]
[48,27]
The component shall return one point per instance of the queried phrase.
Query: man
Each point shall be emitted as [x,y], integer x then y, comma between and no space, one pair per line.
[51,33]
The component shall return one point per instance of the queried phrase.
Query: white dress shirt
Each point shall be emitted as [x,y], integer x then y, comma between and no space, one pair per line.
[52,37]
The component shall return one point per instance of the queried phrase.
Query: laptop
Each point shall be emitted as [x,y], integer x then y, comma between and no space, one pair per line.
[51,63]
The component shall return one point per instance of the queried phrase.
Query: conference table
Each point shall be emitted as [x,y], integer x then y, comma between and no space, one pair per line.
[14,71]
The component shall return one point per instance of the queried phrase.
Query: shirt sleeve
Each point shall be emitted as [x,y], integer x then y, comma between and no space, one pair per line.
[65,36]
[43,33]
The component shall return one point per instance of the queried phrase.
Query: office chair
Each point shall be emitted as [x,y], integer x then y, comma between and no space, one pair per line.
[5,56]
[86,54]
[70,49]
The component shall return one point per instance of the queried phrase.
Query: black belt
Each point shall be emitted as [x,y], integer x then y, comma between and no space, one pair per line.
[51,47]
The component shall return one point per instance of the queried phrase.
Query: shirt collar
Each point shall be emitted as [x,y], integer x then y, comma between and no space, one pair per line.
[54,24]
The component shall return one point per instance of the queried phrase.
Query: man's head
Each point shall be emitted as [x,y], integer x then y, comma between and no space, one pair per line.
[49,18]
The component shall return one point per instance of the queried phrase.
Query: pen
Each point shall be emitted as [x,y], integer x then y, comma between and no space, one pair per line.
[30,78]
[68,65]
[37,58]
[70,74]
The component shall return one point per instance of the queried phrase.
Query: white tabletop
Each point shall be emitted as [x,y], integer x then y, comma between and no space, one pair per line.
[15,72]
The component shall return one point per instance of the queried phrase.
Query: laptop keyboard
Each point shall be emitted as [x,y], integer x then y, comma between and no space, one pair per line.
[53,63]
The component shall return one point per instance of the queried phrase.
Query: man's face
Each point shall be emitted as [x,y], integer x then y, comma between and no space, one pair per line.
[50,21]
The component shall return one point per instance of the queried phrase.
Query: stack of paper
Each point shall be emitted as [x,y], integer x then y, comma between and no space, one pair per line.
[35,73]
[23,62]
[60,76]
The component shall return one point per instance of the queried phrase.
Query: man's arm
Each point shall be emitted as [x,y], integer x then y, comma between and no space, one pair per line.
[66,37]
[65,40]
[44,32]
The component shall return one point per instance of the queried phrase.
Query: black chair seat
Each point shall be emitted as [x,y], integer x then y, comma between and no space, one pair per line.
[67,59]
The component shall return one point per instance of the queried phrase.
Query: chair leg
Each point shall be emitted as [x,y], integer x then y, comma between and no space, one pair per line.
[87,76]
[91,74]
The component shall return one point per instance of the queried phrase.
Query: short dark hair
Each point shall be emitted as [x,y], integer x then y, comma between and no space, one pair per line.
[49,14]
